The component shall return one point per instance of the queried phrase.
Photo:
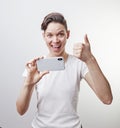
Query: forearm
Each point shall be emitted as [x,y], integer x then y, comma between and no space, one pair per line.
[98,82]
[24,98]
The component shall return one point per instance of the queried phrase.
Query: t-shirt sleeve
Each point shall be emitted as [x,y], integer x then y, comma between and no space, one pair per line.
[84,70]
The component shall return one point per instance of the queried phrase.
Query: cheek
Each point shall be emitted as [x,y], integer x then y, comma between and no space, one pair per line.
[48,41]
[63,40]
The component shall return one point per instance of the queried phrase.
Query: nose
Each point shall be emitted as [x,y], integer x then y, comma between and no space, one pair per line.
[55,39]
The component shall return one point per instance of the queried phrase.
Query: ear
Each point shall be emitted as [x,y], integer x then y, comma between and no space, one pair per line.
[68,34]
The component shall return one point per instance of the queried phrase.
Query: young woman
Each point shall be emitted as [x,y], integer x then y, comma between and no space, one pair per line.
[57,91]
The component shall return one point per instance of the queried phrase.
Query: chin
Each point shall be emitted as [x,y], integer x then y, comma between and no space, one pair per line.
[57,54]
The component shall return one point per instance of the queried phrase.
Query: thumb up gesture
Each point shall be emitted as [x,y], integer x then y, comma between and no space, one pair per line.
[82,50]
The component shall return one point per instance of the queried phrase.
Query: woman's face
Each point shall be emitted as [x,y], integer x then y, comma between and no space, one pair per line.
[55,37]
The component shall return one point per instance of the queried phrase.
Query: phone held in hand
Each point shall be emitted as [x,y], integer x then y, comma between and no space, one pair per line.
[51,64]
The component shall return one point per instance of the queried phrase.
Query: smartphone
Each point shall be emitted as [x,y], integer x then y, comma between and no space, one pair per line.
[51,64]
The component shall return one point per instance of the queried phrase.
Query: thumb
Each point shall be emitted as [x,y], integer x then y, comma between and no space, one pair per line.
[86,39]
[44,73]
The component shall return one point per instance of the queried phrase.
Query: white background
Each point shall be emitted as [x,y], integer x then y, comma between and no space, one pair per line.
[21,40]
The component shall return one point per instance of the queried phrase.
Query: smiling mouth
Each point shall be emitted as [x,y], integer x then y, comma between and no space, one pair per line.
[56,47]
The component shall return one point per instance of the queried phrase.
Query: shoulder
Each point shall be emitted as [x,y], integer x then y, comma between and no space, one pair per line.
[75,62]
[73,59]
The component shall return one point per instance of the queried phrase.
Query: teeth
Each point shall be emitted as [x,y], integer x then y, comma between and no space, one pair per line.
[56,46]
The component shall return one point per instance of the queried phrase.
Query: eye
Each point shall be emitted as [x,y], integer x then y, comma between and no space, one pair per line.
[61,34]
[49,35]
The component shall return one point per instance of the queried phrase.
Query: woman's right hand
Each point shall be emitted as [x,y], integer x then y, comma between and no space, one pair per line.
[33,75]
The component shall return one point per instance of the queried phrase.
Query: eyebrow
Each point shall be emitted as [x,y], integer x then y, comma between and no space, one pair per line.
[61,31]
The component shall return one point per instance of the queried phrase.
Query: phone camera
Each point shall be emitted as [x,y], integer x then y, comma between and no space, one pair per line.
[59,59]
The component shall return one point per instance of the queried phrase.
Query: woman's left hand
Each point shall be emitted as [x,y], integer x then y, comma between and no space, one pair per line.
[82,50]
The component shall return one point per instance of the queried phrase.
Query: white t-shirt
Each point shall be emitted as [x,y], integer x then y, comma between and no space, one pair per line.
[57,96]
